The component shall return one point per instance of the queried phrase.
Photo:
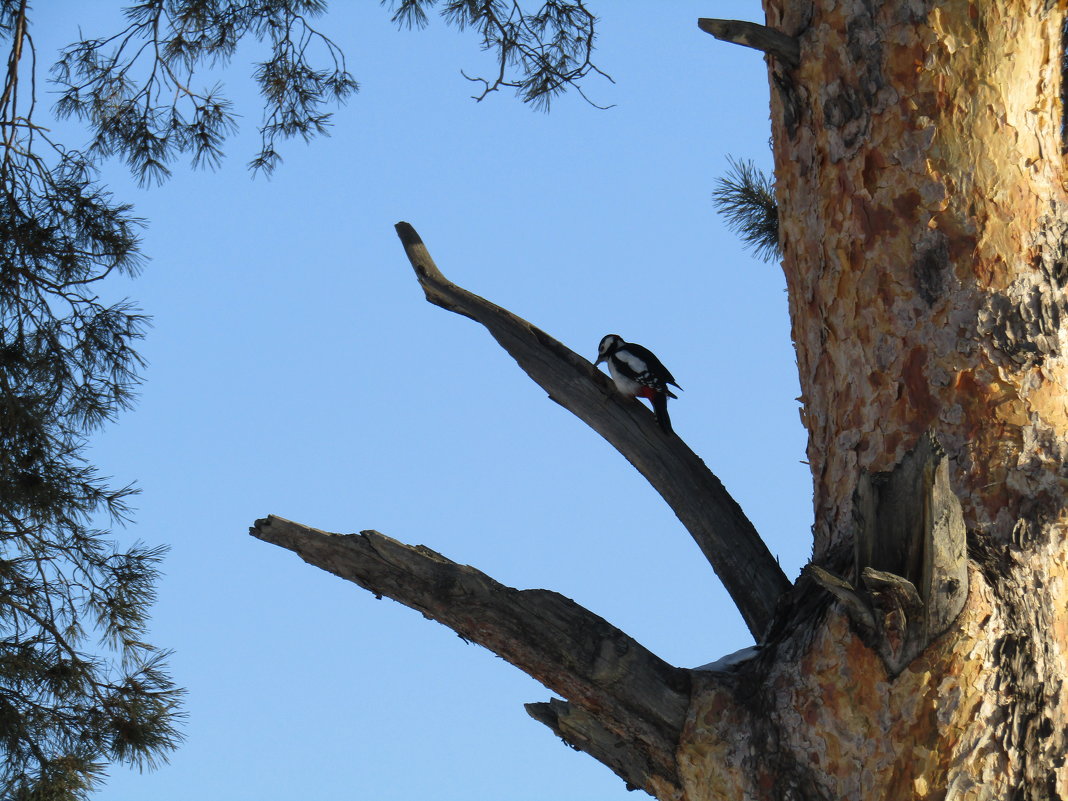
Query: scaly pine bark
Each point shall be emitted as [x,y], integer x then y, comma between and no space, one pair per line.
[920,186]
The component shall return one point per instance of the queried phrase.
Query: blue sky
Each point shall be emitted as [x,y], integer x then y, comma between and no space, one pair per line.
[295,369]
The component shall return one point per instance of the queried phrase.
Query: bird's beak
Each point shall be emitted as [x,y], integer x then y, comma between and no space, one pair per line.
[599,360]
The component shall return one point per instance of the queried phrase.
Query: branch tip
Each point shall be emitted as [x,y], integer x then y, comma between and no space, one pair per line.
[408,235]
[259,527]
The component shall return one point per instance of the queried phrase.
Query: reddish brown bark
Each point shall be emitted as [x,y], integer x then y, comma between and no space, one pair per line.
[922,208]
[921,196]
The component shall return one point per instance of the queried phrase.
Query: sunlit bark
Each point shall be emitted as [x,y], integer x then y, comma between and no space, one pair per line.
[919,177]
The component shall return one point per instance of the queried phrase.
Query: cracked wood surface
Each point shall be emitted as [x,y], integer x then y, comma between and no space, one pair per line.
[713,518]
[910,554]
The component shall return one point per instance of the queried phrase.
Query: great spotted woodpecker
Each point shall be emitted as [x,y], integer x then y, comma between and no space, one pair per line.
[639,374]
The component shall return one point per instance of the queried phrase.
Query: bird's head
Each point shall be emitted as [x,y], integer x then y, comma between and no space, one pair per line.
[610,343]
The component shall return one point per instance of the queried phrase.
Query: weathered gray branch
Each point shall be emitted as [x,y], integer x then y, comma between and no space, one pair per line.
[724,534]
[618,690]
[758,37]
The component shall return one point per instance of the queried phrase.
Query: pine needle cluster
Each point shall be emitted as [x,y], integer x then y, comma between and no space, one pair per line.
[134,88]
[540,54]
[745,196]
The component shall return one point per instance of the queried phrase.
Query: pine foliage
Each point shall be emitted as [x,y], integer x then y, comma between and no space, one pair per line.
[745,196]
[80,686]
[540,54]
[134,87]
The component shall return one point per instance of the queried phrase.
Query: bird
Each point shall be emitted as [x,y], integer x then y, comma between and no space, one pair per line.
[637,373]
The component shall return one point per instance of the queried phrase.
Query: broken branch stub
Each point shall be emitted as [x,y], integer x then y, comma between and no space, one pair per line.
[759,37]
[714,519]
[910,554]
[584,732]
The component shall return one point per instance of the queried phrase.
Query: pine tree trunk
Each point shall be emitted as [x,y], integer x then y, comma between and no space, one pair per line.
[919,175]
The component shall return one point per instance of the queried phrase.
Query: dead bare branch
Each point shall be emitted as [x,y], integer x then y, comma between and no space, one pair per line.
[724,534]
[620,692]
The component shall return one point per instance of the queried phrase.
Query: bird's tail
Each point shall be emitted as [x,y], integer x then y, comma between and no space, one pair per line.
[660,409]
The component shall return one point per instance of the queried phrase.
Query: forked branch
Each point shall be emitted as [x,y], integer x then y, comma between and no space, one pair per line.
[625,706]
[724,534]
[624,698]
